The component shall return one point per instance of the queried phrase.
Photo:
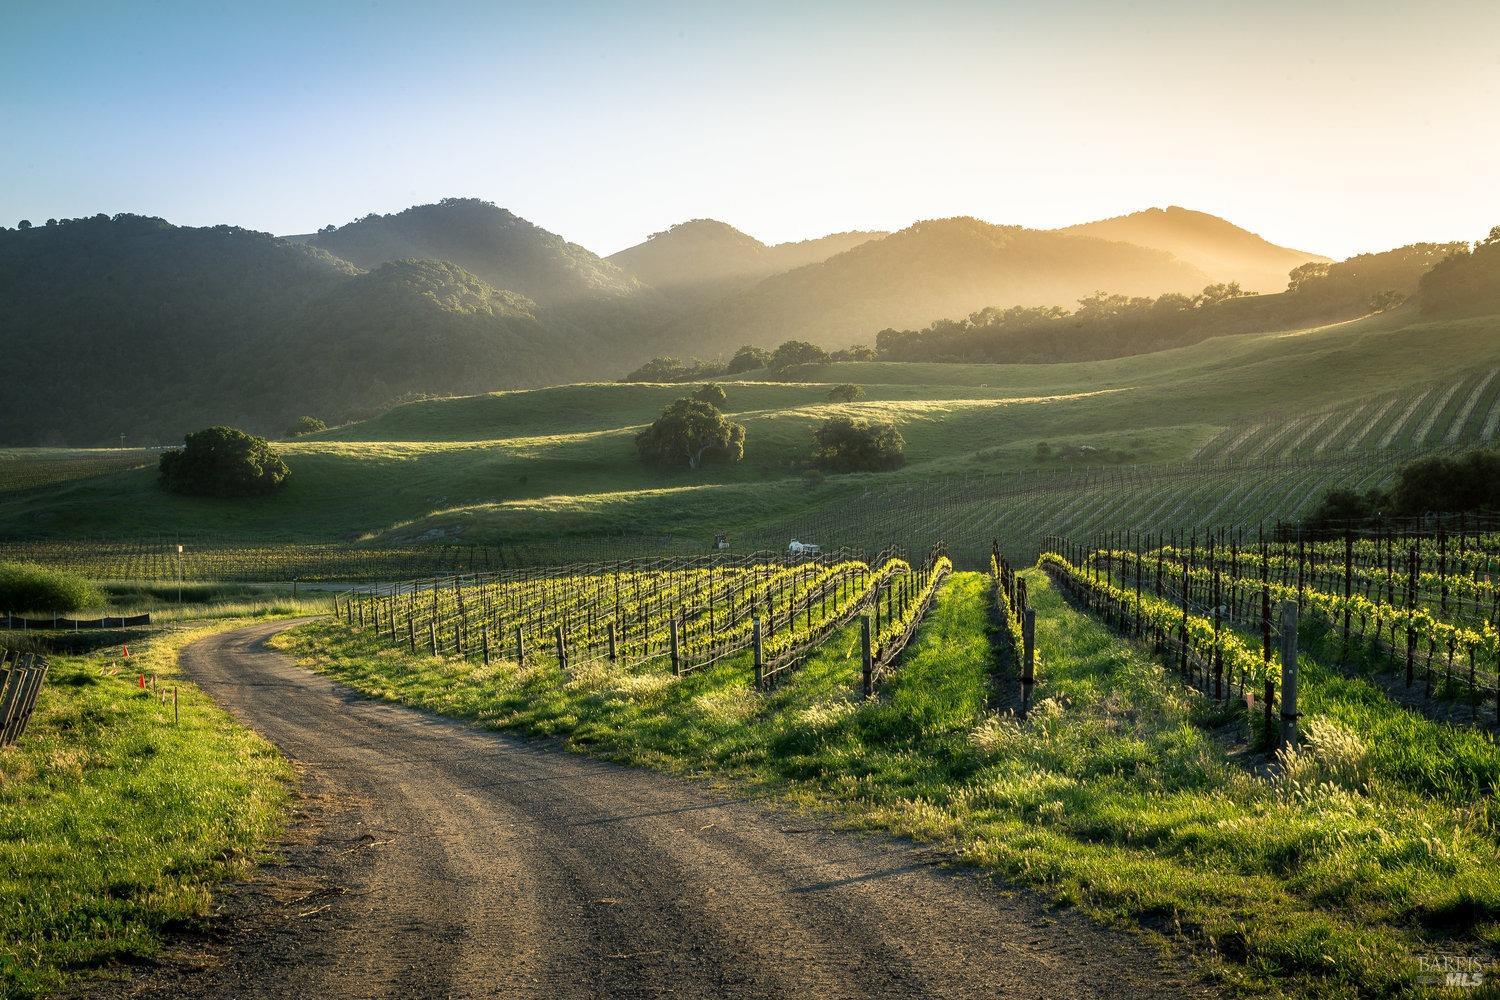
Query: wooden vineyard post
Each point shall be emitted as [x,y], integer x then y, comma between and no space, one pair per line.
[411,632]
[1443,570]
[1348,586]
[614,653]
[562,648]
[1136,629]
[1183,665]
[1028,659]
[1289,714]
[484,635]
[1411,602]
[520,647]
[432,636]
[866,657]
[1301,569]
[676,655]
[1270,719]
[1218,659]
[760,654]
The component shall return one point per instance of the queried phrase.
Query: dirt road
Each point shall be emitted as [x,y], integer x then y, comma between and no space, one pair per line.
[444,861]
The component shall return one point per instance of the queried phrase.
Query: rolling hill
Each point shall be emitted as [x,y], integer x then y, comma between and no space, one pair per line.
[1236,429]
[1218,248]
[943,267]
[702,260]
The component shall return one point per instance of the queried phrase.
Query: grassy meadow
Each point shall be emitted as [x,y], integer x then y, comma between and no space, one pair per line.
[117,824]
[1237,429]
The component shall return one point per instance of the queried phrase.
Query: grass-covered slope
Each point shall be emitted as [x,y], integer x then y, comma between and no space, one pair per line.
[559,463]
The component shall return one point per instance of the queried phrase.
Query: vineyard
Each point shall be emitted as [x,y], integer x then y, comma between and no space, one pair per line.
[1113,726]
[1424,606]
[31,468]
[970,510]
[1464,410]
[686,613]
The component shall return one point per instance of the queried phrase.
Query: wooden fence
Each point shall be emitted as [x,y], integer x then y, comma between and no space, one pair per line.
[21,677]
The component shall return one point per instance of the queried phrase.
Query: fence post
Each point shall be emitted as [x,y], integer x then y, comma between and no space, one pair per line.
[1028,658]
[484,634]
[1289,673]
[866,661]
[1348,589]
[760,654]
[613,648]
[432,636]
[562,649]
[520,648]
[676,655]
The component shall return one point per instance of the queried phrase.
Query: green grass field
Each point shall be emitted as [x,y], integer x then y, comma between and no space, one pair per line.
[117,824]
[1125,794]
[1271,419]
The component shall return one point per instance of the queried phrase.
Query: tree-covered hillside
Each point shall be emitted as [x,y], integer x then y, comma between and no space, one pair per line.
[1467,283]
[132,326]
[490,242]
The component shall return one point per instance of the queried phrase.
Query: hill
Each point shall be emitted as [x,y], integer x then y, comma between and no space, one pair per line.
[495,245]
[1237,430]
[134,327]
[938,268]
[1218,248]
[701,260]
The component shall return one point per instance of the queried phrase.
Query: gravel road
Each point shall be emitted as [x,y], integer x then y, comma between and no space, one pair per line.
[433,859]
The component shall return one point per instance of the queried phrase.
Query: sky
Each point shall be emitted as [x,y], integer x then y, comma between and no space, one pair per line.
[1338,127]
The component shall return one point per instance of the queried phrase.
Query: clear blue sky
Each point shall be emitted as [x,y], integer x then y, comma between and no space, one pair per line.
[1335,127]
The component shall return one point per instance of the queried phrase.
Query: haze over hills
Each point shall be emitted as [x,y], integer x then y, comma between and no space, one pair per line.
[942,267]
[701,260]
[132,326]
[1218,248]
[135,326]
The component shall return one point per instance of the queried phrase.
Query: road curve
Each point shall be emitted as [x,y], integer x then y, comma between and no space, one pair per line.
[464,863]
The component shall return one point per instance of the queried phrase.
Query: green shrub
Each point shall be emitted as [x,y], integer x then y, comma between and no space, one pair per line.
[25,587]
[843,444]
[306,425]
[713,394]
[223,462]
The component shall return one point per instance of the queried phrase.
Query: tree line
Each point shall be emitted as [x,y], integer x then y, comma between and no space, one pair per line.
[1445,278]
